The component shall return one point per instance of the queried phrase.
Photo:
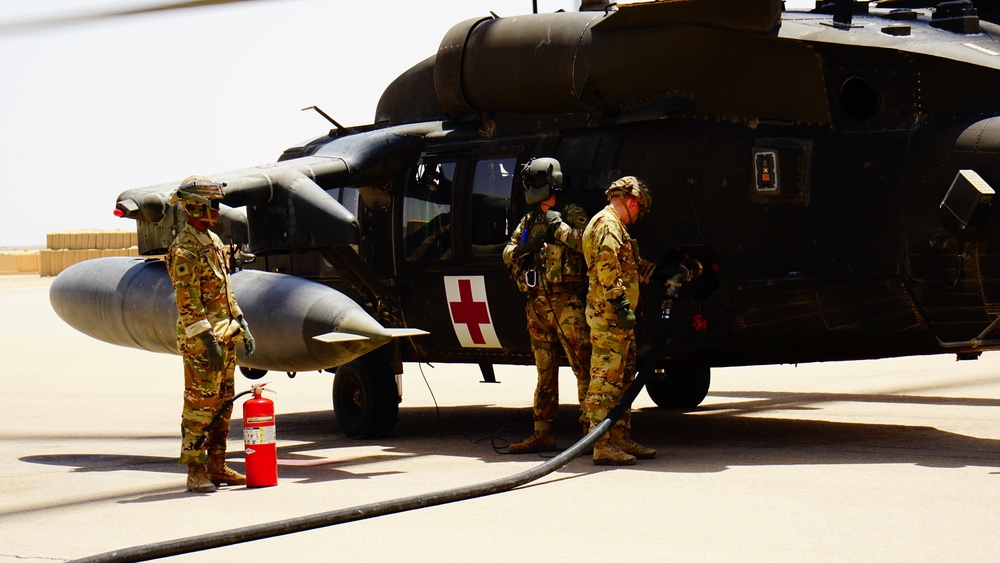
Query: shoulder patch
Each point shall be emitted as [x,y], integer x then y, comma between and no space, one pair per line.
[182,263]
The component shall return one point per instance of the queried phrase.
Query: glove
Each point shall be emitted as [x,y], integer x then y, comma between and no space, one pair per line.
[532,245]
[576,217]
[248,342]
[213,351]
[626,316]
[652,271]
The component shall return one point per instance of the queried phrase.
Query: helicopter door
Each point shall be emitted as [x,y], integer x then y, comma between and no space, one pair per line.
[455,219]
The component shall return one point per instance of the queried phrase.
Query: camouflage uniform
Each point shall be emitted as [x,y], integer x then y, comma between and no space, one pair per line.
[205,301]
[554,282]
[615,270]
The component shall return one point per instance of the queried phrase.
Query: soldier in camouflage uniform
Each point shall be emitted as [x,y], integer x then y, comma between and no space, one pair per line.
[615,271]
[209,325]
[545,261]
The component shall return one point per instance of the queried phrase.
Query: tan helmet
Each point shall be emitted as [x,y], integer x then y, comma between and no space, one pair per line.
[634,187]
[197,190]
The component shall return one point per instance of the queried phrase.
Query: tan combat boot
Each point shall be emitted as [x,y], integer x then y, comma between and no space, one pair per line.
[198,481]
[540,441]
[620,436]
[606,452]
[222,474]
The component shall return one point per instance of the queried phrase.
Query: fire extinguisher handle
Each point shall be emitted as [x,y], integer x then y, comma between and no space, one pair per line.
[258,388]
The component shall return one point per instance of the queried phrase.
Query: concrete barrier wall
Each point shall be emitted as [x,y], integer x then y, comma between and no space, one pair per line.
[63,249]
[24,262]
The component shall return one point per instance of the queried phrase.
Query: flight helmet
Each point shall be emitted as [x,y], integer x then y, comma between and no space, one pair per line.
[541,177]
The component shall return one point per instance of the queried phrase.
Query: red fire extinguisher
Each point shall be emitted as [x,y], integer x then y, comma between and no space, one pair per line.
[259,439]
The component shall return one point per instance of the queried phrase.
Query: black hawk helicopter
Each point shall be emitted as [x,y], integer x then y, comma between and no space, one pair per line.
[830,170]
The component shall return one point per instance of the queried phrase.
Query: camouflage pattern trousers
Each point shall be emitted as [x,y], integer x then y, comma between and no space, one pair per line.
[205,392]
[557,319]
[612,368]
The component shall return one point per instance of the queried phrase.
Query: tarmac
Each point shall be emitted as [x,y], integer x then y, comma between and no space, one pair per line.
[887,460]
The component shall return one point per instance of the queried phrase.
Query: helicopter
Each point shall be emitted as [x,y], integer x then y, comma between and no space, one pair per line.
[831,170]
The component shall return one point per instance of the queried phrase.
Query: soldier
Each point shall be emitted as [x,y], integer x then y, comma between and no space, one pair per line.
[209,325]
[615,271]
[545,261]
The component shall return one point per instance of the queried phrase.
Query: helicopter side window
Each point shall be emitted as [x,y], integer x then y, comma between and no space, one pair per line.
[427,213]
[490,205]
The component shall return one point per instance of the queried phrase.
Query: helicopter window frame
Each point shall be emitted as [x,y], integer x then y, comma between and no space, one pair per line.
[427,211]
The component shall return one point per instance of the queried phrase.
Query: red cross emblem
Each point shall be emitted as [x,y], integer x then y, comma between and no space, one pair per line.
[470,312]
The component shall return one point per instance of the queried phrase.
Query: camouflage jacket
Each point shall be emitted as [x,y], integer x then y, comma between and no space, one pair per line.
[613,262]
[197,267]
[559,261]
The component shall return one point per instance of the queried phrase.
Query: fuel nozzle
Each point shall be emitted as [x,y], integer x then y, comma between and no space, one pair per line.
[677,275]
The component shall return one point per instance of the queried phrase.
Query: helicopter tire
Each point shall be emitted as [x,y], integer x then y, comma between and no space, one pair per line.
[365,399]
[679,387]
[252,373]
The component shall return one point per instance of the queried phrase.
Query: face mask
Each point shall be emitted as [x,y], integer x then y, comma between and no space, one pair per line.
[536,194]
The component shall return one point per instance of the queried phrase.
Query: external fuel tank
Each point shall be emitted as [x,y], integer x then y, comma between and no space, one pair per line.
[298,325]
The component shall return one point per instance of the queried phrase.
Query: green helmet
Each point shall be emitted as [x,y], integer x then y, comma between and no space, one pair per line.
[630,185]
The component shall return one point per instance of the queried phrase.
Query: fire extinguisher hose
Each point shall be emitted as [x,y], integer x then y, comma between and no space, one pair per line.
[683,273]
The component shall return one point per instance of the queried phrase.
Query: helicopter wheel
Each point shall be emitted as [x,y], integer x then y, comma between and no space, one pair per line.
[365,399]
[679,387]
[252,373]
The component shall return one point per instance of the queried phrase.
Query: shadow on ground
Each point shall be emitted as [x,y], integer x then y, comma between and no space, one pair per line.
[707,439]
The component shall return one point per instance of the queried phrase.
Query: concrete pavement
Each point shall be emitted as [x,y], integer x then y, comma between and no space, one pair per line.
[890,460]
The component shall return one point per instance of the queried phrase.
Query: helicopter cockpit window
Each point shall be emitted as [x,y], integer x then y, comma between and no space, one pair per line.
[427,212]
[349,199]
[490,205]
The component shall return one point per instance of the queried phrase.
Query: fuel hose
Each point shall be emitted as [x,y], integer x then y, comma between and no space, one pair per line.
[678,274]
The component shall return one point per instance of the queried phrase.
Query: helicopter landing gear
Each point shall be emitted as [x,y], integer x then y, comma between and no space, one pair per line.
[679,387]
[365,398]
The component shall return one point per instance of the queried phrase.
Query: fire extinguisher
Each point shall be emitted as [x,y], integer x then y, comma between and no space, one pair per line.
[259,439]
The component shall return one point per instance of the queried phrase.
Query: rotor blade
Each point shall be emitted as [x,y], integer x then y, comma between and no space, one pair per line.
[32,25]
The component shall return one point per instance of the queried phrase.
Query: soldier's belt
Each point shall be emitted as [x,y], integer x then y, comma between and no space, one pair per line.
[562,287]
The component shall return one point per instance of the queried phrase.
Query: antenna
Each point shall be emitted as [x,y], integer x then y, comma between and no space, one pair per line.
[323,113]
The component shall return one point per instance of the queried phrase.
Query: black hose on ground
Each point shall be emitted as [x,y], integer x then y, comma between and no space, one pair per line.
[684,272]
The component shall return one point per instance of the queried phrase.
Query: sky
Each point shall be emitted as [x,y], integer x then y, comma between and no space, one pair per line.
[91,109]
